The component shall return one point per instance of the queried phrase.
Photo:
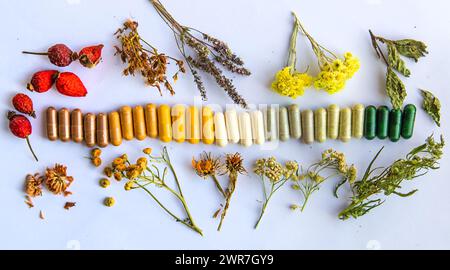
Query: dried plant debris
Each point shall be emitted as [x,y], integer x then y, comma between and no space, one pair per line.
[144,59]
[69,205]
[208,53]
[432,106]
[41,215]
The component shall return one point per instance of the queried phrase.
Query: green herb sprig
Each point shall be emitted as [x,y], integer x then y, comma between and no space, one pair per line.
[432,106]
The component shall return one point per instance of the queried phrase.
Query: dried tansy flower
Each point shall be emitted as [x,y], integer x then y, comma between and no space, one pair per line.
[57,180]
[209,51]
[144,59]
[33,185]
[109,201]
[104,183]
[432,106]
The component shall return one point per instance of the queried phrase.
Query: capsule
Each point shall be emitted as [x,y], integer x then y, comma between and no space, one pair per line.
[295,128]
[345,124]
[320,125]
[358,121]
[179,123]
[308,126]
[333,121]
[257,120]
[139,123]
[220,129]
[395,124]
[115,132]
[64,125]
[164,123]
[126,121]
[408,119]
[283,127]
[102,131]
[52,124]
[151,120]
[89,129]
[370,115]
[231,121]
[192,125]
[76,126]
[271,124]
[207,125]
[245,129]
[382,122]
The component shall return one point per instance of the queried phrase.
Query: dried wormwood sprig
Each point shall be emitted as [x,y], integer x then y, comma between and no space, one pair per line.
[208,51]
[416,163]
[144,58]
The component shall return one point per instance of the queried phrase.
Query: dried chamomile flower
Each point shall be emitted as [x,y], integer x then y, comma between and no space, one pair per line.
[57,180]
[207,165]
[432,106]
[33,185]
[109,201]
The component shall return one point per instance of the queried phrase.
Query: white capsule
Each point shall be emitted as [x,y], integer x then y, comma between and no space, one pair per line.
[257,127]
[245,129]
[220,131]
[232,124]
[271,124]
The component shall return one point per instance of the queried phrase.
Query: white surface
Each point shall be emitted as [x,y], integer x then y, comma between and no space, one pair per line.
[259,32]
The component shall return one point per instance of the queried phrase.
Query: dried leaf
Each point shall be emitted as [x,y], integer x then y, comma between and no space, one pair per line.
[395,89]
[411,48]
[432,106]
[395,61]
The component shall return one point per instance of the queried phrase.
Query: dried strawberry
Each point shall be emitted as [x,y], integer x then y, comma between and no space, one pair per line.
[42,81]
[23,104]
[91,56]
[59,55]
[70,85]
[20,126]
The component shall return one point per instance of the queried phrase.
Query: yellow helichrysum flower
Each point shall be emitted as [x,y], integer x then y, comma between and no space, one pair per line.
[291,84]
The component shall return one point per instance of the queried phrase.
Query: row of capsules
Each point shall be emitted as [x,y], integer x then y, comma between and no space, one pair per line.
[180,123]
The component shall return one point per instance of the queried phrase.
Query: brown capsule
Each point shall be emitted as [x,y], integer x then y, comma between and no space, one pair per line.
[151,120]
[64,125]
[52,124]
[115,133]
[139,123]
[102,130]
[76,125]
[89,129]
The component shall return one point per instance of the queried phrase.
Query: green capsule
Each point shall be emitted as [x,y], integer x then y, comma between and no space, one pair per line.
[358,121]
[408,119]
[370,119]
[308,126]
[271,124]
[295,127]
[283,125]
[382,122]
[395,124]
[345,125]
[333,121]
[320,125]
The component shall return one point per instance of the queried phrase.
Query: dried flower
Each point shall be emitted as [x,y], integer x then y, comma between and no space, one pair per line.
[108,171]
[104,183]
[207,165]
[96,152]
[57,180]
[144,59]
[109,201]
[33,185]
[209,51]
[96,161]
[147,151]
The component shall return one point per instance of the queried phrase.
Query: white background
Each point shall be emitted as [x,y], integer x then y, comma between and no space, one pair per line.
[258,31]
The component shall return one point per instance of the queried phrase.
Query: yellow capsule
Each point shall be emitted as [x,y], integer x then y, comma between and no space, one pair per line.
[207,125]
[358,121]
[76,125]
[52,124]
[64,125]
[345,125]
[102,132]
[193,125]
[333,121]
[139,123]
[151,120]
[164,123]
[89,129]
[307,126]
[126,121]
[320,125]
[179,123]
[115,132]
[220,129]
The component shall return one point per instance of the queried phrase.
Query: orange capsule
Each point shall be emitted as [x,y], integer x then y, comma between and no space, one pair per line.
[102,132]
[164,123]
[139,123]
[179,123]
[207,125]
[151,120]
